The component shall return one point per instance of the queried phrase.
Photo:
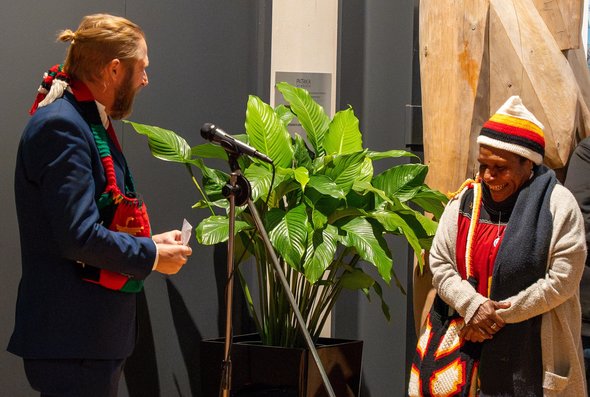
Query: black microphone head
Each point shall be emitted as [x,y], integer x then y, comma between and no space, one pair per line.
[207,130]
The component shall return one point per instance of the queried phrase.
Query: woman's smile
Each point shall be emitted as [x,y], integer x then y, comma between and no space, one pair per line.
[497,188]
[502,171]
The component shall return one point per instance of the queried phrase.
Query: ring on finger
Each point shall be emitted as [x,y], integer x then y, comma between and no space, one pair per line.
[494,326]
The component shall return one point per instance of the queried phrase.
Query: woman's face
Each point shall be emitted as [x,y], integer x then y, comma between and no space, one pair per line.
[502,171]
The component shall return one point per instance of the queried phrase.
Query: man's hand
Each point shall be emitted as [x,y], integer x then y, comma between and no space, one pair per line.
[172,254]
[171,237]
[171,257]
[485,322]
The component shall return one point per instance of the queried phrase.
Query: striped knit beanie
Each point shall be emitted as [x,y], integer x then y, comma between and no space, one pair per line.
[514,129]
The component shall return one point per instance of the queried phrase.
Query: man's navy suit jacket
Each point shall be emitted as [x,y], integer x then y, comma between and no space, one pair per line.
[58,178]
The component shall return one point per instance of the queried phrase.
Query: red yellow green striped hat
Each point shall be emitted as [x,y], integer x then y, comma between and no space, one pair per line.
[514,129]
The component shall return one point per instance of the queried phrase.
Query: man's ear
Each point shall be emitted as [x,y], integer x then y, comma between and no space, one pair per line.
[114,69]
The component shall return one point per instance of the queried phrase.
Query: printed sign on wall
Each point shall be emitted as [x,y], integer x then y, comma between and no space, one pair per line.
[319,86]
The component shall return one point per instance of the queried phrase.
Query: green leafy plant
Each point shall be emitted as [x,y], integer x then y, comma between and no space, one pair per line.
[324,210]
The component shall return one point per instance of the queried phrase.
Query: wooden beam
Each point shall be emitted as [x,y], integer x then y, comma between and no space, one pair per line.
[579,66]
[452,45]
[525,60]
[564,20]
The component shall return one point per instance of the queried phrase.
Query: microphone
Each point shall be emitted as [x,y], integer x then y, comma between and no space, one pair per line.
[215,134]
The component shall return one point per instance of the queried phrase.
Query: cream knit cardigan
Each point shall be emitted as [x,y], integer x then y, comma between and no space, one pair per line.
[555,297]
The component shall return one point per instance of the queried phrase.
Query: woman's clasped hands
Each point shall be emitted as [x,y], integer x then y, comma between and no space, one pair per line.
[485,322]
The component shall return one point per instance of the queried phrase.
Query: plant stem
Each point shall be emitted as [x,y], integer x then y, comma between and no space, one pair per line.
[262,288]
[246,290]
[190,171]
[331,302]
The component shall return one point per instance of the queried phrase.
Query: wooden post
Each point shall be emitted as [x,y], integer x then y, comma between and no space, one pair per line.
[563,18]
[452,45]
[485,52]
[525,60]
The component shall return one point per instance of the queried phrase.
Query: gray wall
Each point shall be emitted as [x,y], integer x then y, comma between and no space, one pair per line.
[376,76]
[206,56]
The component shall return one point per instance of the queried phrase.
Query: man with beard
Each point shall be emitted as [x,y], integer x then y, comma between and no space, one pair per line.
[85,236]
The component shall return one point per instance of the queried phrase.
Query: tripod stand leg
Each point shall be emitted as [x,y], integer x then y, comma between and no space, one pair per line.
[291,298]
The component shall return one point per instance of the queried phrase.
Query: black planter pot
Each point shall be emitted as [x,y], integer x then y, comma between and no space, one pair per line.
[268,371]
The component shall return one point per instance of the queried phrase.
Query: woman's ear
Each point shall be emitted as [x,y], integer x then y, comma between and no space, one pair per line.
[531,168]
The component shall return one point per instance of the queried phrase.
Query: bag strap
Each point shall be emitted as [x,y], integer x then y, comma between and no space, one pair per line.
[475,212]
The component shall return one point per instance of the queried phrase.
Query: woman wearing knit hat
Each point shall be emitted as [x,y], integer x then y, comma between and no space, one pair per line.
[507,259]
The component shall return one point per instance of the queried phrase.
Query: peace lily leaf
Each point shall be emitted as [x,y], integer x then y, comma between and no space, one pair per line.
[260,179]
[366,187]
[325,185]
[345,170]
[425,232]
[384,307]
[284,183]
[267,133]
[164,144]
[403,181]
[344,136]
[394,223]
[209,150]
[356,279]
[215,229]
[417,228]
[319,219]
[301,153]
[320,252]
[302,176]
[361,236]
[323,203]
[319,163]
[422,226]
[398,283]
[345,213]
[310,114]
[389,154]
[221,203]
[273,218]
[360,199]
[213,151]
[366,172]
[280,196]
[431,201]
[285,114]
[289,236]
[213,182]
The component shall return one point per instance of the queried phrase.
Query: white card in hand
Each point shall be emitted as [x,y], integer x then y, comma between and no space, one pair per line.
[186,232]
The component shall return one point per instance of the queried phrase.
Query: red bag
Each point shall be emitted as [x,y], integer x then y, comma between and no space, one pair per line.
[129,216]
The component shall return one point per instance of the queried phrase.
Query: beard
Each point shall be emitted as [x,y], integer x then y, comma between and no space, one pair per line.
[124,96]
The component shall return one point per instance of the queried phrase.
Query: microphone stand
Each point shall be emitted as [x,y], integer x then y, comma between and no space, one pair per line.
[238,192]
[231,189]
